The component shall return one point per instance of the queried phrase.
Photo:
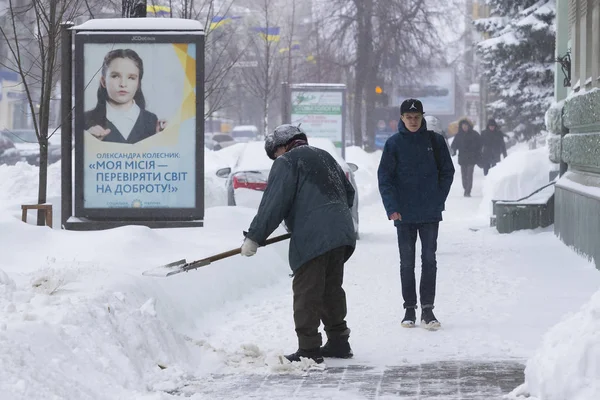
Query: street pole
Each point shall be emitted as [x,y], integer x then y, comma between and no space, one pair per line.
[286,117]
[66,109]
[133,8]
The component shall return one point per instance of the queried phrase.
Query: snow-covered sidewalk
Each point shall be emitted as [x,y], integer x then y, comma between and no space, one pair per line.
[78,321]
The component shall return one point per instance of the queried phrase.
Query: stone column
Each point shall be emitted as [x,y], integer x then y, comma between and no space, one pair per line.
[595,33]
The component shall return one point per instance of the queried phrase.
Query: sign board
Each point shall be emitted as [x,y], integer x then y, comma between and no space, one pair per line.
[139,151]
[246,64]
[321,109]
[437,92]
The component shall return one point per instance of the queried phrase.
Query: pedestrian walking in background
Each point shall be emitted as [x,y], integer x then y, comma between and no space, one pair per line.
[467,142]
[493,146]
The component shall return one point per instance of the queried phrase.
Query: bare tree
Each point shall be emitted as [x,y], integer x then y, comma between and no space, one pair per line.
[225,46]
[134,8]
[262,80]
[290,42]
[381,36]
[32,37]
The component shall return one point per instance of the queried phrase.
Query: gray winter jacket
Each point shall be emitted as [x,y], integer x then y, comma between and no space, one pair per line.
[308,190]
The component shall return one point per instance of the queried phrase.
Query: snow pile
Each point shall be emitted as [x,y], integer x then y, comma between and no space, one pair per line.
[567,364]
[70,338]
[366,175]
[72,310]
[517,176]
[19,183]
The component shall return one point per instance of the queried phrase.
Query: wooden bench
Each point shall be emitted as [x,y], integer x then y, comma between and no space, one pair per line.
[47,211]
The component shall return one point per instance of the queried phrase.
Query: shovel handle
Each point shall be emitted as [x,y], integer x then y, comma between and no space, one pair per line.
[237,251]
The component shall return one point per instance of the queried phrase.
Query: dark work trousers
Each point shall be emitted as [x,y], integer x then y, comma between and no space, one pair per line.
[407,241]
[467,177]
[318,296]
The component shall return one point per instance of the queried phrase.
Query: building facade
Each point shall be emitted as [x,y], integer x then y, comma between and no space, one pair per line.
[574,124]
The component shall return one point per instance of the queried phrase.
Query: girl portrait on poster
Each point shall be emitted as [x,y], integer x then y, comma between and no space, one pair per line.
[120,115]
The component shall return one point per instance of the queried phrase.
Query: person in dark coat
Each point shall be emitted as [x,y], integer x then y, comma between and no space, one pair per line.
[120,115]
[468,144]
[309,191]
[415,175]
[492,139]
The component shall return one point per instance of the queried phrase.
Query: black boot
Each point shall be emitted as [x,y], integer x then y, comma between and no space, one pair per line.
[429,321]
[313,354]
[409,318]
[337,348]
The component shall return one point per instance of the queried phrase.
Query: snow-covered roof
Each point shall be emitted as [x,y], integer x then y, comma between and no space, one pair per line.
[141,24]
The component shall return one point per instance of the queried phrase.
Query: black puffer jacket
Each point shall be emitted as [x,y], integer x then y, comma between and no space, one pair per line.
[493,144]
[468,145]
[309,190]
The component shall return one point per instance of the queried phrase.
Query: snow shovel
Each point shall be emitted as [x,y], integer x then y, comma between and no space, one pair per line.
[183,266]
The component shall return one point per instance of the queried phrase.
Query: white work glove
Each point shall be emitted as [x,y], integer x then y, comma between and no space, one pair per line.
[249,248]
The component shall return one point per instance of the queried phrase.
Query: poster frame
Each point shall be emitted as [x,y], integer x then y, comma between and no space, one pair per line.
[137,214]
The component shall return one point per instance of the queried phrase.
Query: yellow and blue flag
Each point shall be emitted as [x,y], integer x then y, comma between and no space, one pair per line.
[270,34]
[159,11]
[295,46]
[218,21]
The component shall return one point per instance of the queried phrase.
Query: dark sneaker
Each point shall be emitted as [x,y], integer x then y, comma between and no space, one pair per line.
[429,321]
[339,348]
[313,354]
[409,318]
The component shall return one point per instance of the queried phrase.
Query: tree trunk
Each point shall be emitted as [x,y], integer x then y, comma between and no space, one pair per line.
[370,109]
[47,85]
[43,179]
[266,116]
[363,62]
[133,8]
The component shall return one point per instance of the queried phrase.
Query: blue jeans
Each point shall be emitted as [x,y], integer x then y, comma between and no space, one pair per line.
[407,241]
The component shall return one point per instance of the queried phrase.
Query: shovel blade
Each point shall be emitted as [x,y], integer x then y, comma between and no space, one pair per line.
[175,268]
[164,270]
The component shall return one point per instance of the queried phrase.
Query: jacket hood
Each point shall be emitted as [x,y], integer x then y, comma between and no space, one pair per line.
[491,122]
[463,121]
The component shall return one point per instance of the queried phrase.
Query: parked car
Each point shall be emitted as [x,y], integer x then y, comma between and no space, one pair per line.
[245,133]
[27,147]
[26,142]
[247,179]
[9,155]
[218,141]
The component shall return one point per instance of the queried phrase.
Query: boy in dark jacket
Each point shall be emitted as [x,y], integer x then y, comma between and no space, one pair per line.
[309,190]
[468,144]
[415,175]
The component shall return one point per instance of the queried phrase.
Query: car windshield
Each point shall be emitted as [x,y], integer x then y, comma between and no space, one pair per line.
[243,134]
[21,136]
[222,138]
